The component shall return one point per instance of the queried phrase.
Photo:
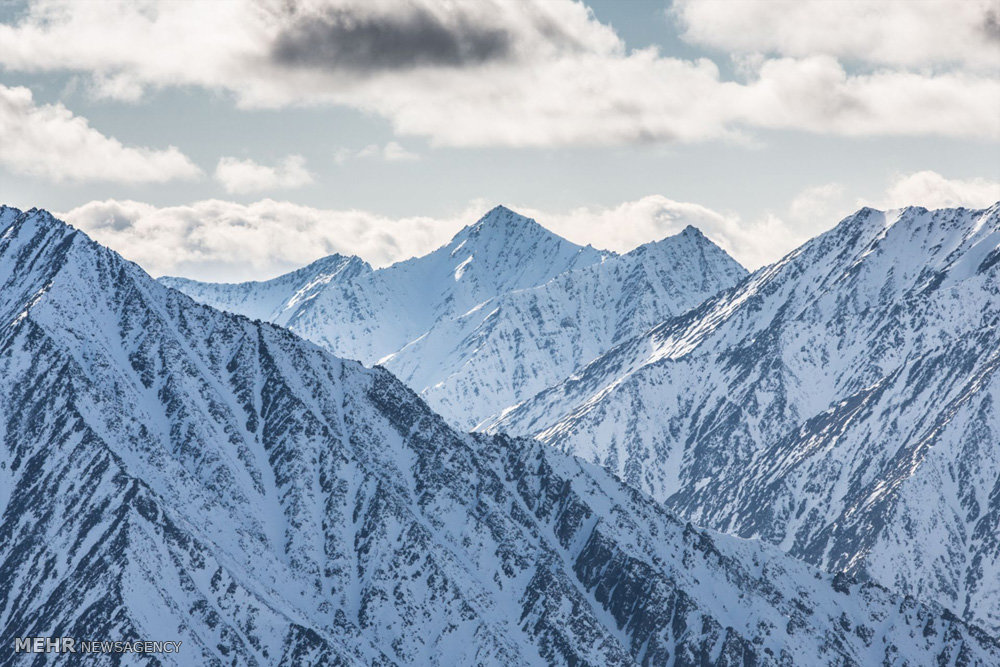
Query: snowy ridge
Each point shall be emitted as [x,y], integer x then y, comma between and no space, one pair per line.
[504,310]
[370,314]
[521,342]
[841,403]
[268,299]
[169,469]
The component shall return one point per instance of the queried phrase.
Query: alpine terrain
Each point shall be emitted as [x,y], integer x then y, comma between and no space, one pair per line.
[513,346]
[843,404]
[172,472]
[506,309]
[359,313]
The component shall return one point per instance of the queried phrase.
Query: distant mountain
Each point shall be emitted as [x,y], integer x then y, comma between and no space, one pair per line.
[841,403]
[515,345]
[270,299]
[170,471]
[361,314]
[458,326]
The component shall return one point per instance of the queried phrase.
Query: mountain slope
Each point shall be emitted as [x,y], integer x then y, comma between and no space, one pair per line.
[268,299]
[521,342]
[365,315]
[841,403]
[504,310]
[172,471]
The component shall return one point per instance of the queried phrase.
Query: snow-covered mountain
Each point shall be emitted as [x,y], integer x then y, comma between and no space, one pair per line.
[504,310]
[270,299]
[843,403]
[511,347]
[361,314]
[170,471]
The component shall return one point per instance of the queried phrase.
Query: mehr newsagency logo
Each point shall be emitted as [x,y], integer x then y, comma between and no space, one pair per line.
[72,645]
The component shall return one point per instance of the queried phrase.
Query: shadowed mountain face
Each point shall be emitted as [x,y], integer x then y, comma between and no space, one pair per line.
[842,404]
[171,471]
[503,311]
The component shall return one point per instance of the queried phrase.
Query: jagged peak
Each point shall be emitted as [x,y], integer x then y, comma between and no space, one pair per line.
[696,236]
[9,212]
[500,212]
[503,223]
[687,236]
[876,220]
[324,265]
[34,223]
[334,262]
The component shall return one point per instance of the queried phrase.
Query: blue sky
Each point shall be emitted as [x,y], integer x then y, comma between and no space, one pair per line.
[234,140]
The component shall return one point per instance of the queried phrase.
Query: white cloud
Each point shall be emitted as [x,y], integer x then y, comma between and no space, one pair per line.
[762,239]
[391,152]
[48,140]
[817,94]
[242,176]
[489,72]
[753,243]
[220,240]
[911,33]
[644,97]
[932,190]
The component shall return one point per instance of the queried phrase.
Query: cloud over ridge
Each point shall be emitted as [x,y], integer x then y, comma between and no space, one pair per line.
[223,240]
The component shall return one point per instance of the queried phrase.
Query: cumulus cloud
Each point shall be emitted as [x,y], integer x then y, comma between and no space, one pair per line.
[932,190]
[759,240]
[222,240]
[753,243]
[645,97]
[883,32]
[242,176]
[507,72]
[48,140]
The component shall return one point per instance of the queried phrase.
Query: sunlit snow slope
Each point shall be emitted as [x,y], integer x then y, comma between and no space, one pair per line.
[504,310]
[170,471]
[842,404]
[358,313]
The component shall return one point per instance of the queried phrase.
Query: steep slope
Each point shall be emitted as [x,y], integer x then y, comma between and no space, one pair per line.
[503,311]
[513,346]
[172,471]
[842,403]
[366,315]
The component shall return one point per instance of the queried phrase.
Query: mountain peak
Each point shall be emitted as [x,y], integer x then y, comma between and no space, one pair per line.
[509,237]
[688,240]
[35,229]
[328,264]
[692,232]
[8,213]
[501,219]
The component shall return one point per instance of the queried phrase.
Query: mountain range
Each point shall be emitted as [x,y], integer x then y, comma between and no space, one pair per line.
[172,471]
[841,404]
[501,312]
